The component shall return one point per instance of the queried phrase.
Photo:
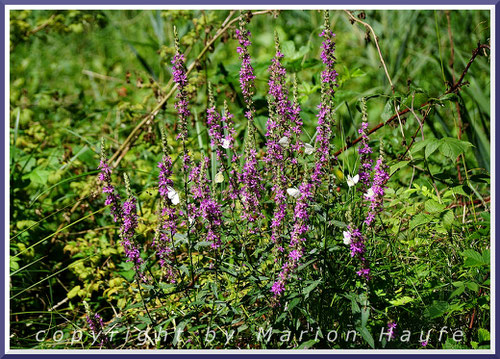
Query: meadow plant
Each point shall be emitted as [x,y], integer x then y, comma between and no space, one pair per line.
[289,194]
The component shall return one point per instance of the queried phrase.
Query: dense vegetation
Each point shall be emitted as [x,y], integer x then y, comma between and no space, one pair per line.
[279,188]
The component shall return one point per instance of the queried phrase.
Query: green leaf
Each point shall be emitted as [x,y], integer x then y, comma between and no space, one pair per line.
[73,292]
[486,256]
[433,206]
[365,314]
[293,304]
[483,335]
[311,287]
[431,147]
[401,301]
[288,49]
[14,265]
[307,345]
[457,292]
[128,275]
[472,286]
[179,329]
[449,97]
[397,166]
[418,220]
[448,218]
[358,73]
[473,258]
[39,176]
[452,148]
[419,145]
[437,309]
[388,110]
[366,336]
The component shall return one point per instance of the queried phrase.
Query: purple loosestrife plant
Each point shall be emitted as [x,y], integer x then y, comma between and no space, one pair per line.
[204,206]
[163,241]
[325,108]
[375,194]
[278,137]
[364,151]
[325,121]
[228,143]
[179,74]
[125,214]
[127,230]
[296,246]
[358,250]
[250,179]
[112,198]
[96,326]
[222,133]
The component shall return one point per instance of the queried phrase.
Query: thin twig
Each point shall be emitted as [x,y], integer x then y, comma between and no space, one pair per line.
[127,144]
[42,26]
[456,86]
[353,18]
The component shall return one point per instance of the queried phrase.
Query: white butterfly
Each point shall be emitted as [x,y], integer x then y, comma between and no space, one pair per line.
[294,192]
[226,143]
[308,149]
[347,237]
[284,141]
[369,194]
[219,178]
[351,181]
[173,196]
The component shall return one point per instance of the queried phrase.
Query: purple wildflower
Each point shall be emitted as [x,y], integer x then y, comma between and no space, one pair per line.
[179,74]
[163,241]
[251,189]
[392,326]
[364,151]
[247,76]
[112,198]
[358,250]
[376,192]
[283,122]
[325,121]
[325,108]
[296,246]
[222,133]
[96,326]
[204,206]
[249,177]
[128,227]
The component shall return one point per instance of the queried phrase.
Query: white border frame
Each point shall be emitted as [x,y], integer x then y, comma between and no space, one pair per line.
[248,351]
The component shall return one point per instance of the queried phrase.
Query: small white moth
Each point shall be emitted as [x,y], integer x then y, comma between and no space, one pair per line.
[219,178]
[351,181]
[347,237]
[284,141]
[369,194]
[173,195]
[294,192]
[308,149]
[226,143]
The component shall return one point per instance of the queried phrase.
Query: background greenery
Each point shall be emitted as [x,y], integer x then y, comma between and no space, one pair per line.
[77,76]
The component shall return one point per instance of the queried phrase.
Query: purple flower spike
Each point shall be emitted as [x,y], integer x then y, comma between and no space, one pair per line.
[168,215]
[250,179]
[179,74]
[112,198]
[325,108]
